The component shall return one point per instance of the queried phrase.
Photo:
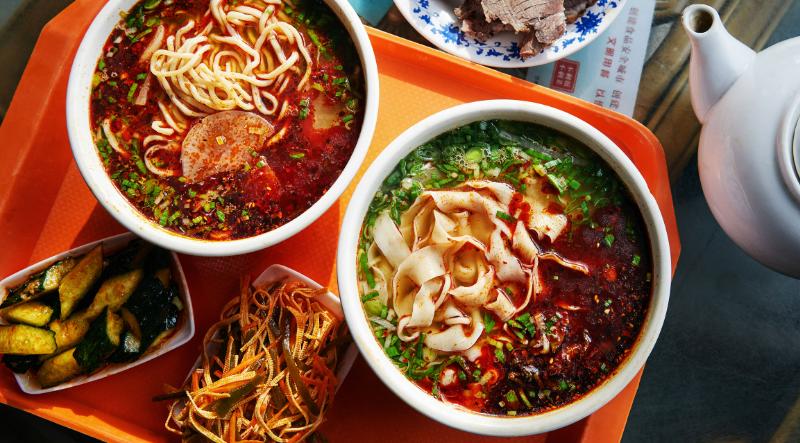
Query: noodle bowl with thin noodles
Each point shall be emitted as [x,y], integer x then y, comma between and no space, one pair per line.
[223,119]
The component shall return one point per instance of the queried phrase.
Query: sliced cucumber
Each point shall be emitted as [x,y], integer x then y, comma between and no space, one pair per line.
[40,283]
[77,283]
[31,313]
[114,292]
[69,333]
[100,342]
[26,340]
[58,369]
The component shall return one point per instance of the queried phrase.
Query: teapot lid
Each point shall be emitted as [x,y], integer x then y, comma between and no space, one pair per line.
[789,149]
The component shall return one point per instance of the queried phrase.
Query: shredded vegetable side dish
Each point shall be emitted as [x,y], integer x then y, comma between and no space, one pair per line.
[267,372]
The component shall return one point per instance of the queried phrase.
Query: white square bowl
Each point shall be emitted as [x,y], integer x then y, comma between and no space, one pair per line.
[184,332]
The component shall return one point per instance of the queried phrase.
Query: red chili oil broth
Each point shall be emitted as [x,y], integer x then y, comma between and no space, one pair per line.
[598,316]
[252,200]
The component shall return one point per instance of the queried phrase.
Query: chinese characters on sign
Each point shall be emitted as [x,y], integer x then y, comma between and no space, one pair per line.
[607,72]
[565,74]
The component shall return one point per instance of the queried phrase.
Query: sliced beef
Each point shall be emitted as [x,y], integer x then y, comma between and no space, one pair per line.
[539,23]
[521,15]
[575,8]
[474,23]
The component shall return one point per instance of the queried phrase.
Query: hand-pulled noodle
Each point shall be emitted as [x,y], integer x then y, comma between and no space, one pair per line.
[450,257]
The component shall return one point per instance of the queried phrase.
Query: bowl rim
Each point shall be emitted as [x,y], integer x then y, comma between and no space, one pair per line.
[373,353]
[543,58]
[185,332]
[99,182]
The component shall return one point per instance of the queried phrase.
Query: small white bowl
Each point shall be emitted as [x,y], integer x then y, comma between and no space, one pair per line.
[330,301]
[27,382]
[436,21]
[459,417]
[98,180]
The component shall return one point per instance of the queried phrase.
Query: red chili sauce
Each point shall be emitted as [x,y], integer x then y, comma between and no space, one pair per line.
[593,320]
[277,183]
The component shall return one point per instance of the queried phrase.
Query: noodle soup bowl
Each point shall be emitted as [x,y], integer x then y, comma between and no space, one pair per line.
[91,167]
[456,415]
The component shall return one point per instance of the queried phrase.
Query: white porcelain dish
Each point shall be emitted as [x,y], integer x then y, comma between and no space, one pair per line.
[456,416]
[184,333]
[96,177]
[435,20]
[276,273]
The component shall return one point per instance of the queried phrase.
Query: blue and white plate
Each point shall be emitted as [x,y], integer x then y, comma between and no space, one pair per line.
[435,20]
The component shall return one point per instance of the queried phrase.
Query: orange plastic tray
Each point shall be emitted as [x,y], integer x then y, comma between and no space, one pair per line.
[45,208]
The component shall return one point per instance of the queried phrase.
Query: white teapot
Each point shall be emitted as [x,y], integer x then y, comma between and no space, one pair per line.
[749,157]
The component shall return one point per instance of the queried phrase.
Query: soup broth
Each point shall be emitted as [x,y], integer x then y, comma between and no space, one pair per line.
[504,268]
[225,119]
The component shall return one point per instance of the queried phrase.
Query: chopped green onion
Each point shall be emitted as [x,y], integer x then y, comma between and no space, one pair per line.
[197,219]
[511,396]
[101,64]
[132,91]
[260,164]
[488,322]
[498,353]
[141,76]
[220,215]
[525,399]
[347,118]
[318,87]
[505,216]
[369,296]
[476,374]
[473,155]
[608,240]
[192,193]
[636,260]
[365,269]
[562,385]
[297,155]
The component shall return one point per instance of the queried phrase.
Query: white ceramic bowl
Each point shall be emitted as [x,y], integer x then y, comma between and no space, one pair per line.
[95,175]
[435,20]
[185,331]
[348,281]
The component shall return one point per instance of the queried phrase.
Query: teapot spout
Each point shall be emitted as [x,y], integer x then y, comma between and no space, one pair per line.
[717,59]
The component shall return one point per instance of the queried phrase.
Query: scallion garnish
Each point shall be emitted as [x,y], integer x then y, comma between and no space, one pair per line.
[369,296]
